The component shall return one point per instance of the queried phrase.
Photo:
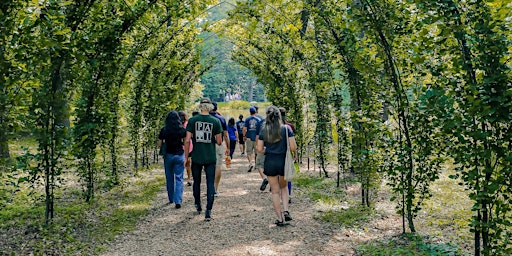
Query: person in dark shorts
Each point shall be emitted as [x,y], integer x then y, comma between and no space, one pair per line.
[240,127]
[273,142]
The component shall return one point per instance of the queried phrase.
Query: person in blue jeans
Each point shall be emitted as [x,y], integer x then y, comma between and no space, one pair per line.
[173,134]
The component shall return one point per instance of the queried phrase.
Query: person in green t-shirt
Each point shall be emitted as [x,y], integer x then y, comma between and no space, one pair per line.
[205,131]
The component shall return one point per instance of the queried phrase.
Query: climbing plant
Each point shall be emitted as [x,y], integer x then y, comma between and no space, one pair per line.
[477,81]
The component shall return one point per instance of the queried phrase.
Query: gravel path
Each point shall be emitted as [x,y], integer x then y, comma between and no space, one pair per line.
[243,224]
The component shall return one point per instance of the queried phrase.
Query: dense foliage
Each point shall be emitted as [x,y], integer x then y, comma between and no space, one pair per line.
[397,87]
[80,69]
[438,69]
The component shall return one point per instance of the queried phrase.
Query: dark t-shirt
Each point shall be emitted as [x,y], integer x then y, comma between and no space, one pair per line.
[173,140]
[240,126]
[279,147]
[260,125]
[252,124]
[222,120]
[203,129]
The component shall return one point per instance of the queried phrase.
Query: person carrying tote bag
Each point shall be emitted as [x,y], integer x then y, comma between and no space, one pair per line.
[274,140]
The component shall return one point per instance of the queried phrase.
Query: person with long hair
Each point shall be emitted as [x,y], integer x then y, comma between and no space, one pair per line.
[233,136]
[174,162]
[273,142]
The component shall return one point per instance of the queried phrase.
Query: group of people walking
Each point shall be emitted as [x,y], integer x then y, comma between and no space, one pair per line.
[206,139]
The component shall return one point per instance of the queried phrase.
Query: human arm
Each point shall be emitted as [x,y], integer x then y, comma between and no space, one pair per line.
[187,145]
[260,146]
[218,139]
[244,131]
[226,140]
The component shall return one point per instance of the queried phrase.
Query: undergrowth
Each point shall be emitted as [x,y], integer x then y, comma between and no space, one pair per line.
[78,228]
[334,206]
[407,244]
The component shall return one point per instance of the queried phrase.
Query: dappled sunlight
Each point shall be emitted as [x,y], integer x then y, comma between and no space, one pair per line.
[133,207]
[323,206]
[263,247]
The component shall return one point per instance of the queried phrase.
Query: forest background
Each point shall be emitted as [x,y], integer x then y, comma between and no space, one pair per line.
[390,92]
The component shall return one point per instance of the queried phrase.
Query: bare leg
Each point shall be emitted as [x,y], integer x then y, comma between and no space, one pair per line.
[189,173]
[283,185]
[249,157]
[276,197]
[260,170]
[218,174]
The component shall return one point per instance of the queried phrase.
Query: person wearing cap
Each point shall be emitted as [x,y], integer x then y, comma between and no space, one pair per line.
[258,113]
[221,150]
[205,132]
[251,129]
[260,158]
[240,127]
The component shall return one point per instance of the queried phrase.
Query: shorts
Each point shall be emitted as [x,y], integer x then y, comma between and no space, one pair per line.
[220,152]
[241,139]
[251,147]
[274,165]
[260,161]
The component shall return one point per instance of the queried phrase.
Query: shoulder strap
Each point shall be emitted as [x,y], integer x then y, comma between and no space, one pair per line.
[287,140]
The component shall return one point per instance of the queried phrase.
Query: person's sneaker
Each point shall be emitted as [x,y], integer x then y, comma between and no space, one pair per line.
[264,184]
[198,208]
[289,200]
[207,215]
[216,194]
[178,206]
[250,168]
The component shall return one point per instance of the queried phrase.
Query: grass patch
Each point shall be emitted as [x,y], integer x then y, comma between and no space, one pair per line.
[79,228]
[330,200]
[353,216]
[407,244]
[320,190]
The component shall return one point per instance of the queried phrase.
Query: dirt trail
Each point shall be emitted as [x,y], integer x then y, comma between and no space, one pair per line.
[242,224]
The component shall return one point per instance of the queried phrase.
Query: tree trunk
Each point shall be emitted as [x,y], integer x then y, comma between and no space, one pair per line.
[477,234]
[4,142]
